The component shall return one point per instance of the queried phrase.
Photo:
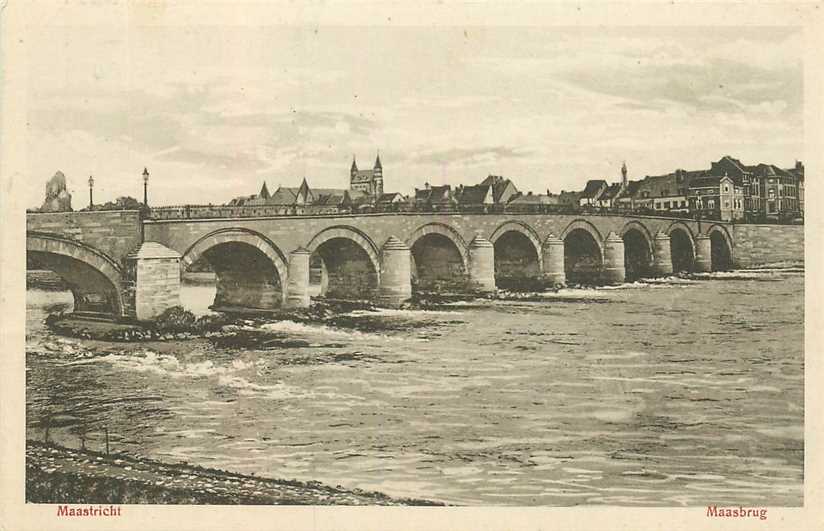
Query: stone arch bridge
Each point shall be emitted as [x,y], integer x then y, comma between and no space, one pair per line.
[120,264]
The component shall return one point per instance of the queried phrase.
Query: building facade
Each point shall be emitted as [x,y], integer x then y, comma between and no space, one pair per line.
[714,197]
[370,181]
[663,193]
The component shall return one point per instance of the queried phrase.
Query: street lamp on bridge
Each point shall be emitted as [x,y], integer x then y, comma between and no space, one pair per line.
[145,186]
[91,188]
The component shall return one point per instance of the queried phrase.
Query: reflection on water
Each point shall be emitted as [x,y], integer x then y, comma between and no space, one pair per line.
[674,392]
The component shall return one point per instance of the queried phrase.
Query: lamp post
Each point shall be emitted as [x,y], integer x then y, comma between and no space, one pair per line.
[91,188]
[145,187]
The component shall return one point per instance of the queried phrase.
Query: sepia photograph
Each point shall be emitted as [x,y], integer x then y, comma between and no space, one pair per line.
[361,262]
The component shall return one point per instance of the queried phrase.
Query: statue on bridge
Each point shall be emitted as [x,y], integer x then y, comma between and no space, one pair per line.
[58,198]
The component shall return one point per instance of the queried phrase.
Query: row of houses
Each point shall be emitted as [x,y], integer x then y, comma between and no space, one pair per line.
[727,190]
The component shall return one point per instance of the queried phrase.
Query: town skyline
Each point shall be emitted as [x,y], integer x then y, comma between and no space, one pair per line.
[549,109]
[80,194]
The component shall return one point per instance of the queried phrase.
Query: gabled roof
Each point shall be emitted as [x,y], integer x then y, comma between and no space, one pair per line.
[737,163]
[500,185]
[569,197]
[771,170]
[631,190]
[474,195]
[284,196]
[434,195]
[535,199]
[322,199]
[240,201]
[389,197]
[611,192]
[304,190]
[708,181]
[593,188]
[662,185]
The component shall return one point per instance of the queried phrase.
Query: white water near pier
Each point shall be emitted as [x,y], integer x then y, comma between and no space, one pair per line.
[664,393]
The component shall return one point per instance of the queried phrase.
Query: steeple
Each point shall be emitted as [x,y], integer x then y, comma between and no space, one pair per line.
[377,177]
[303,193]
[624,174]
[354,165]
[264,192]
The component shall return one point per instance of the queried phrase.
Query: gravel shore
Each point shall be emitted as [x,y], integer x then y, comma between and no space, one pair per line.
[55,474]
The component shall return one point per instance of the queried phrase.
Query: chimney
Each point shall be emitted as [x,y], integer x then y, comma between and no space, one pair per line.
[426,186]
[529,193]
[799,165]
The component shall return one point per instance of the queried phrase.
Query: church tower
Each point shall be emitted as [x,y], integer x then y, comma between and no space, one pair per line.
[624,175]
[353,173]
[377,177]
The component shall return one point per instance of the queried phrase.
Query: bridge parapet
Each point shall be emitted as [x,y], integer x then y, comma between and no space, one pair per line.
[115,233]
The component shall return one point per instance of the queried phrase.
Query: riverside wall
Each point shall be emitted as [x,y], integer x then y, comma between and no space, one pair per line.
[765,245]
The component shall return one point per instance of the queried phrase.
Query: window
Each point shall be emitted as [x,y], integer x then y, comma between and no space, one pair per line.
[726,188]
[726,204]
[667,204]
[711,203]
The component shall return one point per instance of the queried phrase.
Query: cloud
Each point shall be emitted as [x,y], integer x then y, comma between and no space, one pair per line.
[470,156]
[228,109]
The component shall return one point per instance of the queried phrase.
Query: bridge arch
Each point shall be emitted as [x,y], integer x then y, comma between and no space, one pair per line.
[94,278]
[682,246]
[345,263]
[582,224]
[250,269]
[518,256]
[638,249]
[721,248]
[440,256]
[583,252]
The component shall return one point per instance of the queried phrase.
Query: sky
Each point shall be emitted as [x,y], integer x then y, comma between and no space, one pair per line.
[214,111]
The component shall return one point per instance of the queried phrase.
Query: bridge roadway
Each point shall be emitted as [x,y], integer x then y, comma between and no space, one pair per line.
[119,263]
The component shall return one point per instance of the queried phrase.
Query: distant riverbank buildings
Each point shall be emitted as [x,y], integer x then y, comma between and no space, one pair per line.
[728,190]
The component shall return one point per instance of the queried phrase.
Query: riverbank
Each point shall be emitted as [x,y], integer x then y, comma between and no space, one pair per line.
[55,474]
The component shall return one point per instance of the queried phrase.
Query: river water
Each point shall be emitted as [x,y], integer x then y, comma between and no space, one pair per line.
[667,393]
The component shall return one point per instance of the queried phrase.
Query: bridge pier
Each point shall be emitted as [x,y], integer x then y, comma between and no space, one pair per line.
[662,255]
[703,254]
[297,291]
[396,273]
[153,271]
[482,264]
[614,271]
[553,258]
